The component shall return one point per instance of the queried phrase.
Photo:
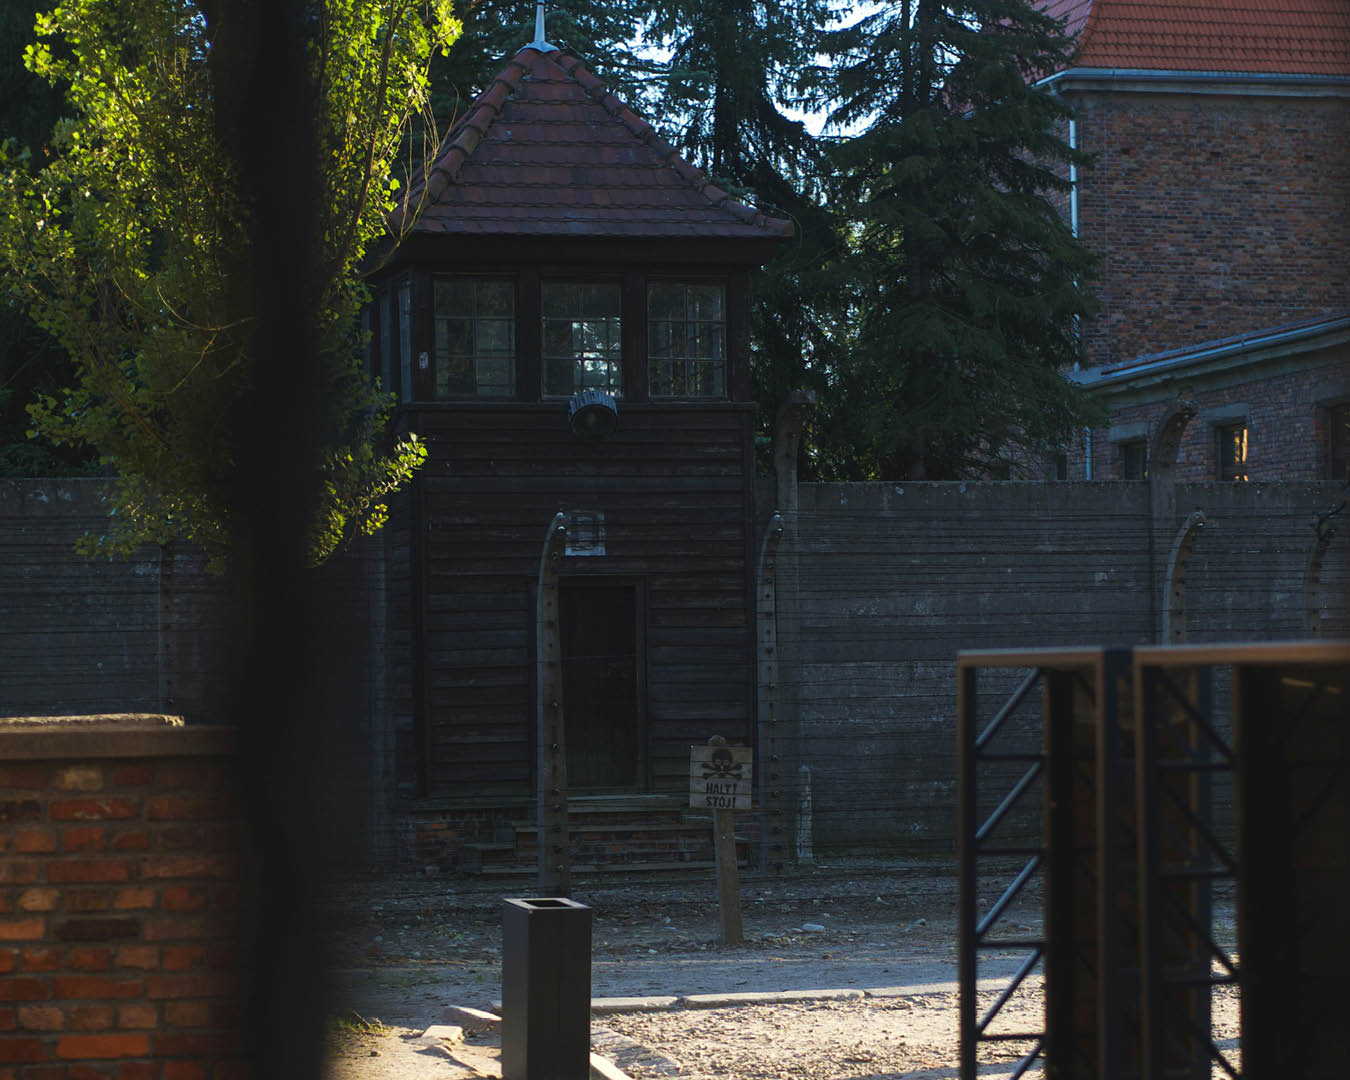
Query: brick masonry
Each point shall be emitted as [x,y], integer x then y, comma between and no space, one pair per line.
[1216,215]
[118,901]
[1213,216]
[1285,410]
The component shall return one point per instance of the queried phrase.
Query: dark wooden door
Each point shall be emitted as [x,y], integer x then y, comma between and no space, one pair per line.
[601,707]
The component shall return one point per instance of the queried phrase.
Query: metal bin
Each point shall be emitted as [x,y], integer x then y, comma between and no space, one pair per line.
[546,989]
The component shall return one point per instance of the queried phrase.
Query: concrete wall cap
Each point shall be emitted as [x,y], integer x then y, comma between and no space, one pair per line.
[1223,414]
[119,720]
[1127,432]
[1327,394]
[31,739]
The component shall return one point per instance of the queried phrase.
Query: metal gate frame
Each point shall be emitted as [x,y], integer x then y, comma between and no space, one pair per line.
[1180,748]
[1274,687]
[1064,1045]
[1151,1010]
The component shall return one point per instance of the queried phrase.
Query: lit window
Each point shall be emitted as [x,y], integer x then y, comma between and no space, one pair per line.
[585,532]
[1338,425]
[1232,455]
[686,343]
[1134,460]
[583,347]
[475,337]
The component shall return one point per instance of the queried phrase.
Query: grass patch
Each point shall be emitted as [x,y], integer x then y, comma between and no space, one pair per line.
[350,1027]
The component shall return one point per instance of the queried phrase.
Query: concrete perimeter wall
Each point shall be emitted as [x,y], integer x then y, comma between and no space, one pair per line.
[83,635]
[895,579]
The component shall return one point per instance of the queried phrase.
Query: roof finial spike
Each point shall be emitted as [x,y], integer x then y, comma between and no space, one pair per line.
[539,41]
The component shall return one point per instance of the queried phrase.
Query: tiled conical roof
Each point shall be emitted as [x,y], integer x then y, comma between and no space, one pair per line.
[1286,37]
[546,150]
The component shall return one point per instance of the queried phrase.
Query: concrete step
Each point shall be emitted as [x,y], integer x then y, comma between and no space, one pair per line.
[603,838]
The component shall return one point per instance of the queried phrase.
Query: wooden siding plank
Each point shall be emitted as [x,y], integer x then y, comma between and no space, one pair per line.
[676,493]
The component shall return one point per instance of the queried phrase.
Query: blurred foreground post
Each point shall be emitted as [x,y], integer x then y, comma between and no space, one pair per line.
[265,121]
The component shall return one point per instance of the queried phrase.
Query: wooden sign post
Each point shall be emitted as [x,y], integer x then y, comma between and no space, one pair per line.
[719,780]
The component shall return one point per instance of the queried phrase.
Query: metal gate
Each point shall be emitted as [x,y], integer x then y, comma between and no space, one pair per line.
[1130,775]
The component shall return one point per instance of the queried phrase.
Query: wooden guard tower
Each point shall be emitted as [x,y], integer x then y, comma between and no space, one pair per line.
[565,326]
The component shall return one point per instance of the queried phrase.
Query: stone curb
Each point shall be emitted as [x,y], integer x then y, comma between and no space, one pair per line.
[604,1069]
[605,1006]
[773,997]
[443,1037]
[660,1003]
[472,1019]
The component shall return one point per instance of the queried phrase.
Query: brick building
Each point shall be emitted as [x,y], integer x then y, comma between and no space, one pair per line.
[1218,204]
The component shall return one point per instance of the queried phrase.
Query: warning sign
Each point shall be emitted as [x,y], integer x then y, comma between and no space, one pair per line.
[719,777]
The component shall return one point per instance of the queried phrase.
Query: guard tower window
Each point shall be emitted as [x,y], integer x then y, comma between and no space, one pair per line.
[1232,452]
[475,337]
[686,346]
[1338,425]
[582,345]
[1134,460]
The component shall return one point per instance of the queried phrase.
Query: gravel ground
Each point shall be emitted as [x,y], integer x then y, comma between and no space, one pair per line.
[409,946]
[873,1039]
[870,1038]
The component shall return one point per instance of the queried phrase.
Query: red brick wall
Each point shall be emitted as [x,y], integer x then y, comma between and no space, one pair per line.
[117,895]
[1213,215]
[1287,434]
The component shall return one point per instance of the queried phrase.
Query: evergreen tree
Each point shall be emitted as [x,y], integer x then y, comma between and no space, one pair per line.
[966,284]
[734,66]
[601,33]
[732,103]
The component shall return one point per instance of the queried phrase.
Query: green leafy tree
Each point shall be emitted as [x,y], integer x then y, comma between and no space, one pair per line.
[128,247]
[31,363]
[966,284]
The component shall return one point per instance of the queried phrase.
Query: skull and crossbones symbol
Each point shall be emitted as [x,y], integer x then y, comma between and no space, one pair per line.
[721,767]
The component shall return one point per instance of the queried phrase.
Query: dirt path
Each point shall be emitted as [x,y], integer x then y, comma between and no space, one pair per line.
[409,947]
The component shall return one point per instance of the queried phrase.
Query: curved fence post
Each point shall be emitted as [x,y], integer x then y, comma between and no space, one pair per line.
[1313,579]
[772,849]
[1174,589]
[550,739]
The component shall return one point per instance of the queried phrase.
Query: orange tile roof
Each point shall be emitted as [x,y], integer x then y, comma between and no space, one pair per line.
[546,150]
[1289,37]
[1073,12]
